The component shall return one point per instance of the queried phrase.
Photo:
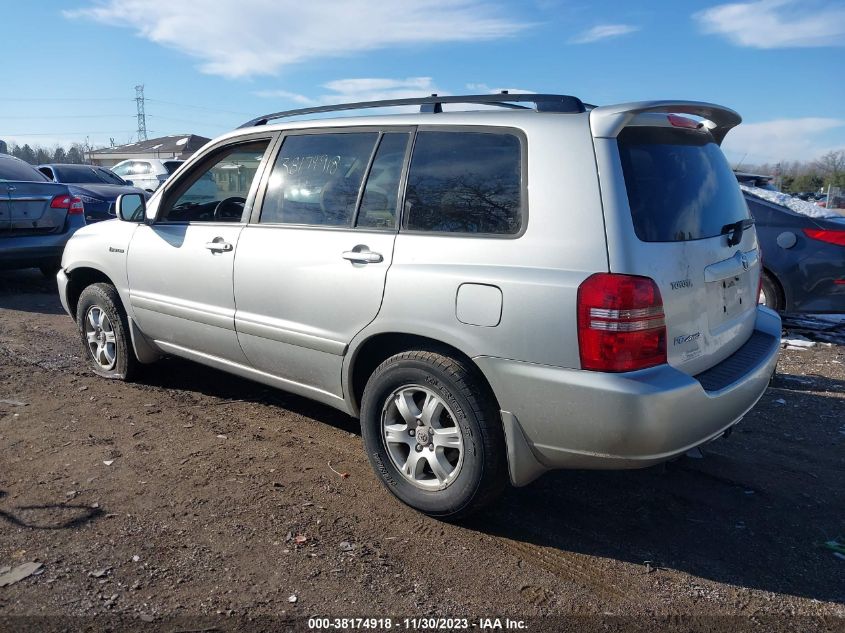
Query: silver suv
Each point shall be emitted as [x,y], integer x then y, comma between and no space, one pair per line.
[536,284]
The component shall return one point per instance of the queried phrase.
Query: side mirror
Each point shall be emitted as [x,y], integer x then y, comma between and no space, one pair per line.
[129,182]
[131,207]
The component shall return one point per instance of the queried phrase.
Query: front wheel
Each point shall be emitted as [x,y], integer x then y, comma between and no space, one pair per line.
[104,329]
[433,434]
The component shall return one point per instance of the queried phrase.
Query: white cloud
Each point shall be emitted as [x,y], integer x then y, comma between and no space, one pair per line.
[260,37]
[286,95]
[603,32]
[783,139]
[776,23]
[483,88]
[354,90]
[378,88]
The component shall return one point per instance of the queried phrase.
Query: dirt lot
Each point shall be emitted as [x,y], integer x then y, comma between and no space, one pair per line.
[193,493]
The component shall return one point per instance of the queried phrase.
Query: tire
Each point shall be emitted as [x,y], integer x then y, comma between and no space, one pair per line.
[771,295]
[100,315]
[467,467]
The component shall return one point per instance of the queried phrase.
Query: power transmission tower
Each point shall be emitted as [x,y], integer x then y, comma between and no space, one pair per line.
[142,119]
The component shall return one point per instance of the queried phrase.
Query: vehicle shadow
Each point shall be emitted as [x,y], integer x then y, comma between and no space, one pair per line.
[51,516]
[808,383]
[176,373]
[754,513]
[27,290]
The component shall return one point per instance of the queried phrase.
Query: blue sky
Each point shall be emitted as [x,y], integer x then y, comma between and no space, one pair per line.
[209,65]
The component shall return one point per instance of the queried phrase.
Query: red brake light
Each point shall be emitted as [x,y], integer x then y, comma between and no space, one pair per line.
[682,121]
[71,203]
[621,324]
[824,235]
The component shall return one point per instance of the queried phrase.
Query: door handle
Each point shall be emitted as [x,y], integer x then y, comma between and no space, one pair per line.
[363,256]
[218,246]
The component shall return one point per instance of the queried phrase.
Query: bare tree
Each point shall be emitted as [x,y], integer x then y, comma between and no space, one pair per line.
[832,167]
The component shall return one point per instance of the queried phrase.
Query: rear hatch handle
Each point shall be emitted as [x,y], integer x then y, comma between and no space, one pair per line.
[731,267]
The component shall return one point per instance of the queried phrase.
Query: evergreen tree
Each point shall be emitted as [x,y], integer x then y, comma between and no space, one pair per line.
[27,154]
[74,156]
[42,156]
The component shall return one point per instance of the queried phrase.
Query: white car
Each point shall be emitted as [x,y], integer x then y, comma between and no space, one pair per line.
[147,173]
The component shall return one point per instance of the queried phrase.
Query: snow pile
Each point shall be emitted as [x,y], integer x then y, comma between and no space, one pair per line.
[793,204]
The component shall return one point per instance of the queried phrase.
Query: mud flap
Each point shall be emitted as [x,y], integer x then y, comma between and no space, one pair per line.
[145,351]
[523,465]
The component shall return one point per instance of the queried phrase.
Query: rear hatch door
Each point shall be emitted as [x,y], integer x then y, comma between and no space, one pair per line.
[674,212]
[29,208]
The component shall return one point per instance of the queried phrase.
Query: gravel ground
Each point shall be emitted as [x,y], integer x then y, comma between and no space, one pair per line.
[194,496]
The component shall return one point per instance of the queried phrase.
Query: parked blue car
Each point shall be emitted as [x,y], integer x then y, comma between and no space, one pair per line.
[37,217]
[803,256]
[97,187]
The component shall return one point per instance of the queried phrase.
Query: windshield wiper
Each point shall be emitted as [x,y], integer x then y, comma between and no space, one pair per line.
[735,230]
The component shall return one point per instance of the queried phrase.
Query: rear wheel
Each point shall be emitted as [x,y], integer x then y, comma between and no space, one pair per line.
[770,293]
[433,434]
[104,329]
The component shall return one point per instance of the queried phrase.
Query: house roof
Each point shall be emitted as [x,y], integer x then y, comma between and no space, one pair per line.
[174,144]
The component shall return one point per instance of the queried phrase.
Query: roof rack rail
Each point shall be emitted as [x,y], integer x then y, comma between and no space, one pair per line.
[434,104]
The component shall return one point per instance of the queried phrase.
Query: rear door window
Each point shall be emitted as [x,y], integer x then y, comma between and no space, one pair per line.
[680,186]
[465,182]
[317,177]
[133,168]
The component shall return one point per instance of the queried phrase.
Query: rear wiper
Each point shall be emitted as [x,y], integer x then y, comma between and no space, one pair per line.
[735,230]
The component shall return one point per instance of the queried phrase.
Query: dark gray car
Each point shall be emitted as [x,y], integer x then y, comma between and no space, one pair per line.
[37,217]
[803,258]
[96,186]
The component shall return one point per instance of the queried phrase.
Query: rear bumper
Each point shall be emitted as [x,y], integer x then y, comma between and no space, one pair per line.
[32,250]
[571,418]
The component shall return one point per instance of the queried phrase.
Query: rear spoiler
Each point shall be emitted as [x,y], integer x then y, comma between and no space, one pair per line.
[608,121]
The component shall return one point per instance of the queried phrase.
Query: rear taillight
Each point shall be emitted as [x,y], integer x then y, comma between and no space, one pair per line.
[71,203]
[621,325]
[824,235]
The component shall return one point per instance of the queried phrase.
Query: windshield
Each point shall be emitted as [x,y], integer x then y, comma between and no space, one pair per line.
[680,186]
[109,177]
[81,174]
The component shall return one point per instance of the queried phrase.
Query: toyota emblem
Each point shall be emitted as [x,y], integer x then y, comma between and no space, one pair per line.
[744,261]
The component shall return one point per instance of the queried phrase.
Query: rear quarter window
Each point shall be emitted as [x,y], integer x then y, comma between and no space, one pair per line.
[465,182]
[680,186]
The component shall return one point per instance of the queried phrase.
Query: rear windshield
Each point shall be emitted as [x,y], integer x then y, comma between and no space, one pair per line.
[680,186]
[18,170]
[171,166]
